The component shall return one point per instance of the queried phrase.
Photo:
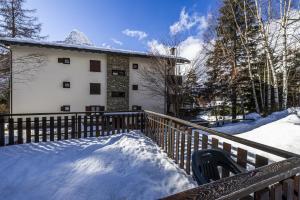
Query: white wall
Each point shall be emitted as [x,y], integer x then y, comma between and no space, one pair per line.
[142,96]
[42,91]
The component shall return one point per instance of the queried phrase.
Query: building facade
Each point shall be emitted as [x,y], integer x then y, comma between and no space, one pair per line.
[74,78]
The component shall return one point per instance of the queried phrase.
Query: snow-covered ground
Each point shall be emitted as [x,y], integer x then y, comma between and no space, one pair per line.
[124,166]
[280,130]
[283,134]
[241,127]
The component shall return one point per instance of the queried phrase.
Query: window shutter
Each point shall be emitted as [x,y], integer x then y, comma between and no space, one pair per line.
[116,72]
[65,108]
[102,108]
[66,84]
[95,65]
[135,87]
[118,94]
[64,60]
[135,66]
[95,88]
[88,109]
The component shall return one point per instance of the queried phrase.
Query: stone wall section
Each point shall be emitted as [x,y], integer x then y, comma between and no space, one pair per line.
[117,83]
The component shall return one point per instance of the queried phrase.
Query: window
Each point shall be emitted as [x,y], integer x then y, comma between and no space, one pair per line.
[65,108]
[95,88]
[66,84]
[117,94]
[95,66]
[118,72]
[64,60]
[135,107]
[135,66]
[94,108]
[135,87]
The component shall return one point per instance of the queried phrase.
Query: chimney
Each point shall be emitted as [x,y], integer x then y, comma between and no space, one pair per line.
[173,51]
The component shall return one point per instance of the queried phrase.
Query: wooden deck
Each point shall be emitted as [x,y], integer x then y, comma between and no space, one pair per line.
[271,173]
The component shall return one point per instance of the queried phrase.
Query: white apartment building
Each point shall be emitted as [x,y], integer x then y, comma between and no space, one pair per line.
[78,78]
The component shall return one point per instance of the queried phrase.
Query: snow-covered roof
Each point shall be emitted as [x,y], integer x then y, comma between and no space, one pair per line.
[82,47]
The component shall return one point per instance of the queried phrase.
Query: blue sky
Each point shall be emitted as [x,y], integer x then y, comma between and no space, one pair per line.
[105,20]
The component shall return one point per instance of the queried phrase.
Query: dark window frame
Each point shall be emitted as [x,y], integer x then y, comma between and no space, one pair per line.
[65,108]
[95,88]
[66,61]
[135,87]
[118,94]
[94,108]
[118,72]
[95,65]
[136,107]
[135,66]
[66,84]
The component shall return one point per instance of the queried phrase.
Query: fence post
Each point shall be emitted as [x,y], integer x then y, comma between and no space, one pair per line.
[73,127]
[143,122]
[20,131]
[51,128]
[2,133]
[11,136]
[76,125]
[28,130]
[36,130]
[102,125]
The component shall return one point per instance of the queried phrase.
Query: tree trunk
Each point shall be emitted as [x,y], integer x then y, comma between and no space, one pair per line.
[233,102]
[268,51]
[284,70]
[252,84]
[269,88]
[274,78]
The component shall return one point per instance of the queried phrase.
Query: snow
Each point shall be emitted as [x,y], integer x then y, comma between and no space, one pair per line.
[78,38]
[80,47]
[280,130]
[241,127]
[123,166]
[283,134]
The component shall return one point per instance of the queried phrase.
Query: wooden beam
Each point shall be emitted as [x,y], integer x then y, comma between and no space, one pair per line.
[241,185]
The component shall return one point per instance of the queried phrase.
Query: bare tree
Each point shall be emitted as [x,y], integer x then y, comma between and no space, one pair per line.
[162,78]
[264,31]
[16,21]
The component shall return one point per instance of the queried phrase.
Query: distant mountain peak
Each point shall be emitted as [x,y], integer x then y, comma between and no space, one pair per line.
[78,38]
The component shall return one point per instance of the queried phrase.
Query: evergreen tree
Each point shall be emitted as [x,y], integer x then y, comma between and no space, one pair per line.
[16,21]
[228,72]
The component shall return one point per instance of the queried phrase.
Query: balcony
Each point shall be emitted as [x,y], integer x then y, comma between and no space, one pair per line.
[270,173]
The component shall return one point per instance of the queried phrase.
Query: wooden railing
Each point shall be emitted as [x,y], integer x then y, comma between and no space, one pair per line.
[43,127]
[271,173]
[275,181]
[180,139]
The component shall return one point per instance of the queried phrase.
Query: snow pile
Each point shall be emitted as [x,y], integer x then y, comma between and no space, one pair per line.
[78,38]
[283,134]
[254,116]
[124,166]
[236,128]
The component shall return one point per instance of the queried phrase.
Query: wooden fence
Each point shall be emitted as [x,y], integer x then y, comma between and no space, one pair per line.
[180,139]
[271,173]
[43,127]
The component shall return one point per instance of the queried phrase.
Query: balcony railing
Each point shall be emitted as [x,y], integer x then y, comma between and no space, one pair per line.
[271,173]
